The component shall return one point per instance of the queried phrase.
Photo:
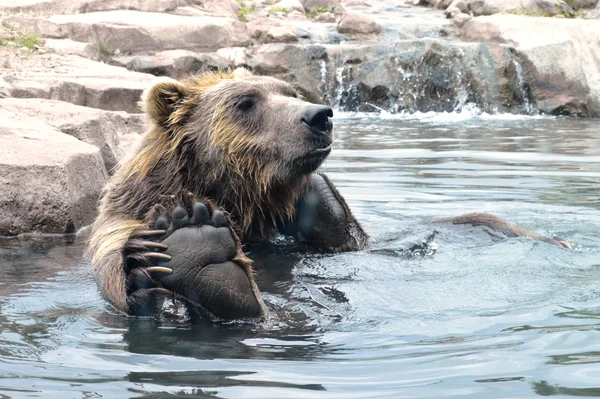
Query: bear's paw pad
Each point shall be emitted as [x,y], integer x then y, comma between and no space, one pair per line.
[208,267]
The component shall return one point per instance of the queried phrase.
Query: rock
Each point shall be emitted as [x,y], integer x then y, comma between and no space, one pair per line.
[562,67]
[103,129]
[460,5]
[5,88]
[133,31]
[281,34]
[296,15]
[595,13]
[174,63]
[325,17]
[358,24]
[579,4]
[258,27]
[460,19]
[428,75]
[339,10]
[296,64]
[221,8]
[234,56]
[67,46]
[526,7]
[50,181]
[78,81]
[45,7]
[312,5]
[270,59]
[290,5]
[355,3]
[453,12]
[553,7]
[413,75]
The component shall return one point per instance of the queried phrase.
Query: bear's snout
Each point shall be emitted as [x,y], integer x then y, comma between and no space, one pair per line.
[317,118]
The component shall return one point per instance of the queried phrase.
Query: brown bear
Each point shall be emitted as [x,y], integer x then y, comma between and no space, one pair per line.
[228,157]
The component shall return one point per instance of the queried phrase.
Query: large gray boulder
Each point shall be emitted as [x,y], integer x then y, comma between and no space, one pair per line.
[290,5]
[358,24]
[281,34]
[258,27]
[221,8]
[313,5]
[77,80]
[412,75]
[424,75]
[562,67]
[50,181]
[177,64]
[45,7]
[127,31]
[111,132]
[526,7]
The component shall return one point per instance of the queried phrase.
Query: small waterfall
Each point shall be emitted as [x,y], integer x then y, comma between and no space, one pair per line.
[324,83]
[433,82]
[397,91]
[338,90]
[523,87]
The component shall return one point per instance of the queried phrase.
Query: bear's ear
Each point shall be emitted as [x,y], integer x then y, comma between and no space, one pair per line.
[162,99]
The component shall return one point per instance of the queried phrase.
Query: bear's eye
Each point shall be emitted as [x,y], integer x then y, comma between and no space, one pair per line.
[246,104]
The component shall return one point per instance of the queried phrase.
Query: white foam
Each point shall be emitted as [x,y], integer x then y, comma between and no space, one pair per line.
[466,113]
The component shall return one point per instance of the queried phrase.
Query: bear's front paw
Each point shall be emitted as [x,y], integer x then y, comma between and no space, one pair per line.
[322,216]
[209,270]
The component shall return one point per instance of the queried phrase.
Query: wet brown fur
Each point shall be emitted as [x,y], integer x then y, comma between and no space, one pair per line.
[197,147]
[498,224]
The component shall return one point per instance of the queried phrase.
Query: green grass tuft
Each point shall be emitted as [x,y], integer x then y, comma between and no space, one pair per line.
[275,10]
[27,40]
[244,12]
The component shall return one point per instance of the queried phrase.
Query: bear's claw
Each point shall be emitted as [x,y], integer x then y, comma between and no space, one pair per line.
[143,261]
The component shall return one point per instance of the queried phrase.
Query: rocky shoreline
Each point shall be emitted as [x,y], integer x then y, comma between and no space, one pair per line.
[72,71]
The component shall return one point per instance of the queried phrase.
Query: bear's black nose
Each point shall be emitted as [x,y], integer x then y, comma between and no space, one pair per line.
[318,119]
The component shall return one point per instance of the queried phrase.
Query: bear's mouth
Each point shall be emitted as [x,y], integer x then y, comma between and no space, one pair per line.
[310,161]
[319,152]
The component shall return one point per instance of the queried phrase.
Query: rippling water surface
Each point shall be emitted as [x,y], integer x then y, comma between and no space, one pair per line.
[429,311]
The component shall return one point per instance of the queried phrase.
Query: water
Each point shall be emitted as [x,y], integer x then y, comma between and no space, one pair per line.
[428,312]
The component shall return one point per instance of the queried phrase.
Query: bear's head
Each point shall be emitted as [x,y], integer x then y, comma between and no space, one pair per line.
[249,143]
